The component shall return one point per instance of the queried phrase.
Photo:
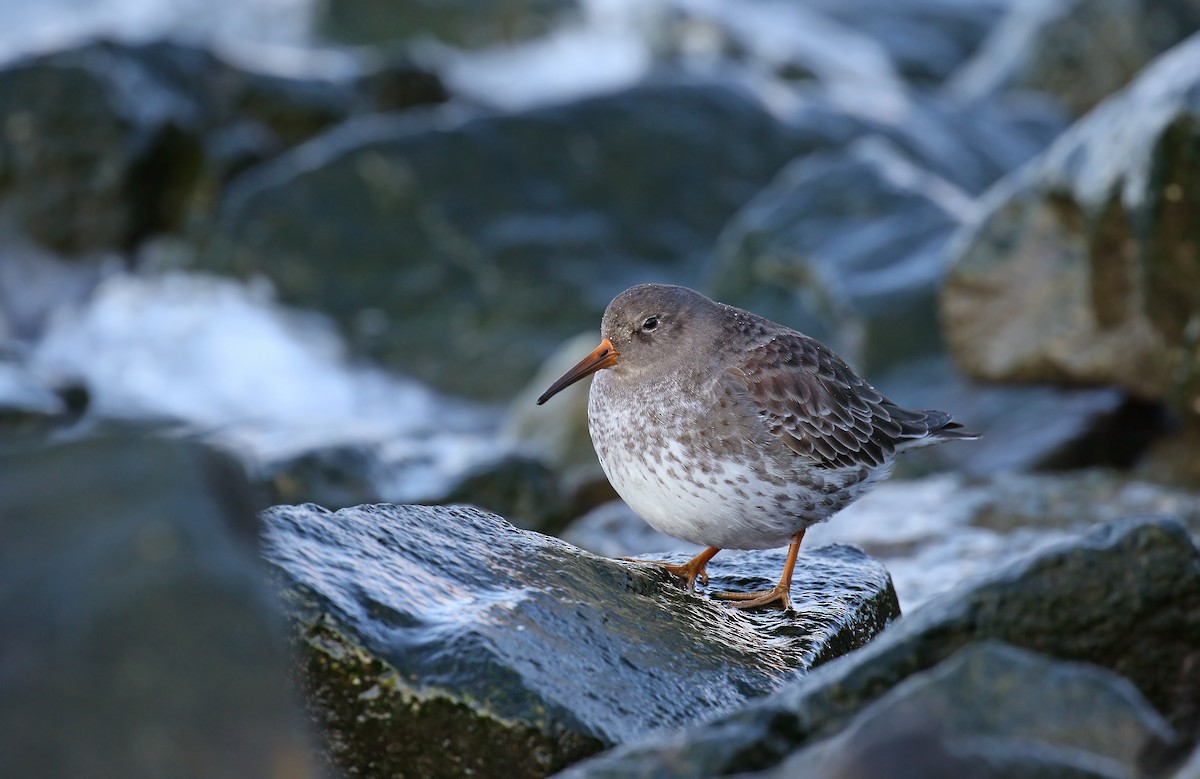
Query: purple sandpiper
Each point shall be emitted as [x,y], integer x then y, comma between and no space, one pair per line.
[730,431]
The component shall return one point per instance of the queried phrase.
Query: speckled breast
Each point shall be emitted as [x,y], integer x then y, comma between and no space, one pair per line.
[691,467]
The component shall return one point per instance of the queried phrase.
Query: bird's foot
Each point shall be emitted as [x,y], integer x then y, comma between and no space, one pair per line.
[754,600]
[690,571]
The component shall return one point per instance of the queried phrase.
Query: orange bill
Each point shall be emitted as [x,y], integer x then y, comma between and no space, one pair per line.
[603,356]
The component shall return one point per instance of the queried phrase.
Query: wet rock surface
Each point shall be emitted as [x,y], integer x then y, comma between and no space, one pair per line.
[992,710]
[1075,273]
[141,635]
[442,624]
[1123,597]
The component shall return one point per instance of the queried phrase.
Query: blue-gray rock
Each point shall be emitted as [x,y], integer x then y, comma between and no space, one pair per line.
[141,636]
[992,710]
[1082,268]
[108,143]
[1125,596]
[439,242]
[466,23]
[847,247]
[1079,51]
[927,40]
[441,640]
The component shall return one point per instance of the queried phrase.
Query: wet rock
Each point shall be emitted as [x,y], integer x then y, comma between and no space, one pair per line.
[992,710]
[92,155]
[1079,51]
[1082,268]
[141,636]
[1025,428]
[627,182]
[28,404]
[467,23]
[793,41]
[108,143]
[1191,769]
[926,40]
[439,639]
[520,487]
[846,246]
[1124,597]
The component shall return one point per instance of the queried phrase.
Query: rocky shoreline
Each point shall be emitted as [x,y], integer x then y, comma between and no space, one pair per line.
[275,499]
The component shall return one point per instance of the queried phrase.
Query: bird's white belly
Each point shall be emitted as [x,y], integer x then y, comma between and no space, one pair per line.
[690,492]
[709,514]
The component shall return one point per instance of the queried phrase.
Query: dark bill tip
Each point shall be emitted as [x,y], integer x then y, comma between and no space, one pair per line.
[603,356]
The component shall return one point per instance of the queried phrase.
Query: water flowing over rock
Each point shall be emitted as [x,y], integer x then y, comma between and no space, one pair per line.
[1084,267]
[1125,596]
[442,637]
[1080,51]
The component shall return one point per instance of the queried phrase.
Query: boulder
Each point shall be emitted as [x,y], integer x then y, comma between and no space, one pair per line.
[1125,596]
[141,636]
[442,640]
[440,242]
[992,710]
[93,154]
[108,143]
[466,23]
[846,246]
[1079,51]
[1083,267]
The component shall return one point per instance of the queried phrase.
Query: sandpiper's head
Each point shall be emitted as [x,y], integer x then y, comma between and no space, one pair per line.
[645,327]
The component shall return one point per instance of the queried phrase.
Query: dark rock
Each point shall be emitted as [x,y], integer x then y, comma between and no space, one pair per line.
[1125,597]
[845,246]
[1079,51]
[1025,428]
[141,638]
[992,710]
[969,146]
[468,23]
[516,486]
[109,143]
[793,41]
[338,476]
[1083,268]
[483,230]
[1191,770]
[93,154]
[28,404]
[442,640]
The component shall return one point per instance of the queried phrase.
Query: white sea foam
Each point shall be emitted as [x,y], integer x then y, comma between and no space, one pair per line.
[226,360]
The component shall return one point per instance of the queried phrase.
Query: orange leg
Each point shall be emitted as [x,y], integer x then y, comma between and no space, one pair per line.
[778,593]
[690,571]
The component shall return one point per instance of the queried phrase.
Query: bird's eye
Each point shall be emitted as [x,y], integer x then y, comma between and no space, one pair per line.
[651,323]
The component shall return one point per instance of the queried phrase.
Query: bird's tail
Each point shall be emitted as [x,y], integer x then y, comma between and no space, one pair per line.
[922,428]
